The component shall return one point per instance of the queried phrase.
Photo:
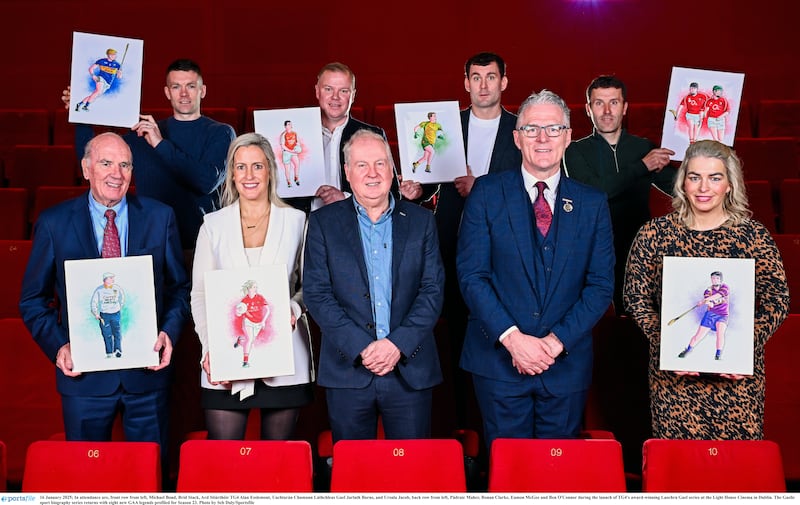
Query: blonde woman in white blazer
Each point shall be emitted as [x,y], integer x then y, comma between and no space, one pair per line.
[253,227]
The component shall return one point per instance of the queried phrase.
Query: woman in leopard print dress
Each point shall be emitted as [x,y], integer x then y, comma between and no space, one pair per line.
[711,219]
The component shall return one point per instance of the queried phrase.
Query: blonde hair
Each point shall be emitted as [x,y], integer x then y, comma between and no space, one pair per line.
[248,284]
[735,202]
[229,192]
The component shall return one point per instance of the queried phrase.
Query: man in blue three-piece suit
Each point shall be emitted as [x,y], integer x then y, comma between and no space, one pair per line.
[536,268]
[373,281]
[74,230]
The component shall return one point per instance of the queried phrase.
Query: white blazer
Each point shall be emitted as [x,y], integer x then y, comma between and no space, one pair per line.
[220,246]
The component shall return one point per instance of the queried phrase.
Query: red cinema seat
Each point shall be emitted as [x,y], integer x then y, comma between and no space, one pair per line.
[383,116]
[581,123]
[228,115]
[660,203]
[14,204]
[3,467]
[32,166]
[759,194]
[646,120]
[772,159]
[779,118]
[47,196]
[789,246]
[398,466]
[712,466]
[84,467]
[358,112]
[24,126]
[789,197]
[13,261]
[557,466]
[744,123]
[782,403]
[30,406]
[251,466]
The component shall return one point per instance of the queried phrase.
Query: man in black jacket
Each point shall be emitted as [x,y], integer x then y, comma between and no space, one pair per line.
[621,164]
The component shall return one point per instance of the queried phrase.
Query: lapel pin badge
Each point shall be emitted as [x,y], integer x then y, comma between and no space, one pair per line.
[567,205]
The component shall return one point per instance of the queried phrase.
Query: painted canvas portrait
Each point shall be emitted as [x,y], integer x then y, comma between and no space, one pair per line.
[701,105]
[707,315]
[430,141]
[296,139]
[106,80]
[111,307]
[249,323]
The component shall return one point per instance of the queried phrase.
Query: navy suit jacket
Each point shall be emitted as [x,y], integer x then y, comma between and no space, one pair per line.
[336,291]
[65,232]
[496,254]
[505,156]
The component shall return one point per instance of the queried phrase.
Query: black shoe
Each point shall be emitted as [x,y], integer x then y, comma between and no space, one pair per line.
[78,107]
[119,354]
[683,353]
[86,107]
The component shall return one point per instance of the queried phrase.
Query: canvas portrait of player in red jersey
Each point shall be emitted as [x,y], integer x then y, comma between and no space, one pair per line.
[717,111]
[291,150]
[250,334]
[701,105]
[250,321]
[691,110]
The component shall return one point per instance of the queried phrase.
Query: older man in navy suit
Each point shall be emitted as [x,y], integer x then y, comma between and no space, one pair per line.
[373,281]
[75,230]
[535,264]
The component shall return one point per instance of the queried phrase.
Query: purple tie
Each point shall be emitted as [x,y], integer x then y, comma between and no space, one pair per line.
[111,248]
[544,216]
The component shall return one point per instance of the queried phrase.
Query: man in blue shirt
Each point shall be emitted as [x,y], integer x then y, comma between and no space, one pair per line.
[75,230]
[373,282]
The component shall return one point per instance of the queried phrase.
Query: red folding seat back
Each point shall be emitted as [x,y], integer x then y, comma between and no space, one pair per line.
[712,466]
[86,467]
[29,402]
[228,115]
[779,118]
[47,196]
[782,403]
[398,466]
[383,116]
[557,466]
[760,197]
[32,166]
[646,119]
[14,205]
[250,466]
[3,467]
[14,256]
[789,197]
[789,246]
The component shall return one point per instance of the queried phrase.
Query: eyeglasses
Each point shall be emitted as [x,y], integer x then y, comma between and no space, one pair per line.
[552,130]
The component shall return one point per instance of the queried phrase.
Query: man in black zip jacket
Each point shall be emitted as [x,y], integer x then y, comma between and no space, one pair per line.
[621,164]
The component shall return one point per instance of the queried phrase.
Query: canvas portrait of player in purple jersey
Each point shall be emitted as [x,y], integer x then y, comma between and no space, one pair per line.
[715,319]
[105,75]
